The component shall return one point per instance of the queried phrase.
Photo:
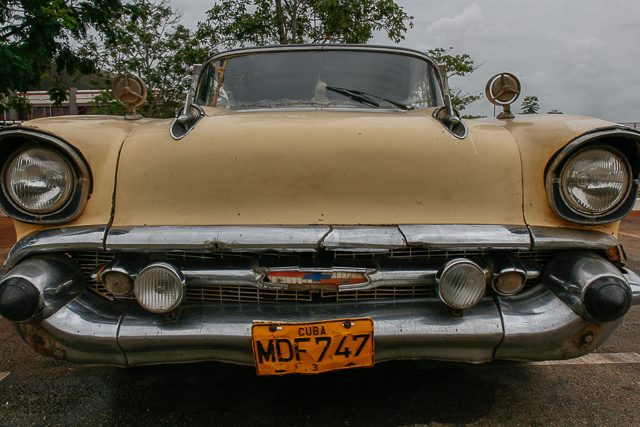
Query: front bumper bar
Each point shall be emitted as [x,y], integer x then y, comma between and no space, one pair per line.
[534,325]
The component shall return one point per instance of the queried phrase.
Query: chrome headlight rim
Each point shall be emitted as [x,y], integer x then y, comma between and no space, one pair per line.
[23,139]
[619,200]
[14,199]
[173,271]
[446,269]
[622,139]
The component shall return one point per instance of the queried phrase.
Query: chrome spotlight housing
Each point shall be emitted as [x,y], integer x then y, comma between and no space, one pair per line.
[160,288]
[461,283]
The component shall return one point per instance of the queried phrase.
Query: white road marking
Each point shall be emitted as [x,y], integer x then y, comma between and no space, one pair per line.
[589,359]
[594,359]
[3,375]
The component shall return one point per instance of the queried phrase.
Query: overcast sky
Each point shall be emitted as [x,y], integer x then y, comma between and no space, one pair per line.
[577,56]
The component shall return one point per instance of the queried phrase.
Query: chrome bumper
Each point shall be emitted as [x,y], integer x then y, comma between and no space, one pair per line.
[534,325]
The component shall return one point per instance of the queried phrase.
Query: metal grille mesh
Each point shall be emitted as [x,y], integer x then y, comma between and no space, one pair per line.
[237,294]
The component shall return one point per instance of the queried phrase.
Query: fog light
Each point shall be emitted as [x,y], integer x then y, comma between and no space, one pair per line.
[461,283]
[159,288]
[509,283]
[119,284]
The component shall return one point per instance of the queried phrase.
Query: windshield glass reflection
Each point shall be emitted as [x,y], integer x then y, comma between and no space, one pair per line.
[300,79]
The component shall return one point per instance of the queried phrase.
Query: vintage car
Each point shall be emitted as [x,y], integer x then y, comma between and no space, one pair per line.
[312,208]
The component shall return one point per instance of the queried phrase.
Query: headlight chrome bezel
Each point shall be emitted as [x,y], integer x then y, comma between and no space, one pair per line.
[618,141]
[573,205]
[22,204]
[17,141]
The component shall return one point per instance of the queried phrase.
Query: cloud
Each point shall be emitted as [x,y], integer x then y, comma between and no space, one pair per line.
[469,21]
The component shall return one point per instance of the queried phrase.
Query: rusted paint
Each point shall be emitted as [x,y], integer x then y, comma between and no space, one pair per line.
[585,341]
[41,341]
[617,256]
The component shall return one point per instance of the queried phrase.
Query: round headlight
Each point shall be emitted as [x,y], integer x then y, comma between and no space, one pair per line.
[39,180]
[594,181]
[159,288]
[461,283]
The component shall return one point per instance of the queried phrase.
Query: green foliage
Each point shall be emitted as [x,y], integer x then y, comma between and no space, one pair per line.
[35,33]
[15,102]
[233,23]
[107,105]
[58,92]
[457,65]
[530,105]
[554,112]
[149,43]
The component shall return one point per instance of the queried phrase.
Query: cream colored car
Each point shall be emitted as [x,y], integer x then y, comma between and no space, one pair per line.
[314,208]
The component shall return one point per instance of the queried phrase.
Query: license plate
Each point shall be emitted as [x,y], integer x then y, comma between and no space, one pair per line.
[312,347]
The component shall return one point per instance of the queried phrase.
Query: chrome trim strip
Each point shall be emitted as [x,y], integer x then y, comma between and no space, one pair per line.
[254,277]
[466,237]
[326,47]
[56,240]
[570,238]
[230,276]
[354,238]
[305,238]
[216,238]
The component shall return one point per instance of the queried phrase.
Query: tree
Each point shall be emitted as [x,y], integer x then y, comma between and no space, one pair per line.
[554,112]
[234,23]
[530,105]
[150,43]
[36,33]
[458,65]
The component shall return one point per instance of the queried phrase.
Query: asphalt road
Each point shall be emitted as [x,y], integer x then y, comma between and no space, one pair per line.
[37,391]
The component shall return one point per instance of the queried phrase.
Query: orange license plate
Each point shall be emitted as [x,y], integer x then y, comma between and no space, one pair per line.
[312,347]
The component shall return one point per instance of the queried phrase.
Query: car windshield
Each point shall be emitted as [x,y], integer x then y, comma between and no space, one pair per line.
[319,79]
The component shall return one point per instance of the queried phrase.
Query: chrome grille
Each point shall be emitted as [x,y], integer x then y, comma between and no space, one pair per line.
[237,294]
[247,295]
[381,293]
[243,295]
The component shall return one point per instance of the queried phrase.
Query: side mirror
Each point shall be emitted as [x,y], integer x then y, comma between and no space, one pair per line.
[503,89]
[190,114]
[447,115]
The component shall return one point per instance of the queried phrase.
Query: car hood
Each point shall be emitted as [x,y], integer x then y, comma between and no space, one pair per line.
[318,167]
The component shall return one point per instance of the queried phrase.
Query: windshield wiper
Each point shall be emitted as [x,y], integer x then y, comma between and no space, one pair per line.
[355,95]
[364,97]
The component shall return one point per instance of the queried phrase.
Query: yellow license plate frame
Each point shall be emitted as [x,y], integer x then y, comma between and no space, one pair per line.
[312,347]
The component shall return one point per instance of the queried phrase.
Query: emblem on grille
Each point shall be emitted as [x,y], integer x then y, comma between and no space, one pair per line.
[320,279]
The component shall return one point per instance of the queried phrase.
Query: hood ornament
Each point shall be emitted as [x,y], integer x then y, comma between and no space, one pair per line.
[130,91]
[503,89]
